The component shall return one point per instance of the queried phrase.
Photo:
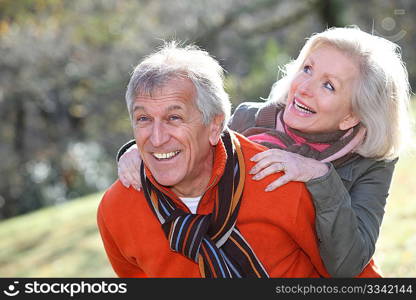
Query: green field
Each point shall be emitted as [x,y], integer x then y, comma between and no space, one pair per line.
[60,241]
[397,243]
[63,241]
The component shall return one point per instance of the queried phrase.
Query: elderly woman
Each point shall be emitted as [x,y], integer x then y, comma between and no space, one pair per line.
[335,121]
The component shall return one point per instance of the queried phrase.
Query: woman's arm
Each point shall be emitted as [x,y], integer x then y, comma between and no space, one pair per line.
[128,165]
[124,149]
[348,222]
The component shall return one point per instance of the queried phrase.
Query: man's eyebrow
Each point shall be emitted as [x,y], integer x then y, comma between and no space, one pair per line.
[169,109]
[138,107]
[174,107]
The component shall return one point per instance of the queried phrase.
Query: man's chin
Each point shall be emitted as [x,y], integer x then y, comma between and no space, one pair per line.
[165,180]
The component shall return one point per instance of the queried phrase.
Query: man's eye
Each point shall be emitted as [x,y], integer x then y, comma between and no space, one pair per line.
[174,118]
[142,119]
[329,86]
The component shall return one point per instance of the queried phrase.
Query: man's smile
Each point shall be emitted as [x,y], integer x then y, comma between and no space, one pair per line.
[165,155]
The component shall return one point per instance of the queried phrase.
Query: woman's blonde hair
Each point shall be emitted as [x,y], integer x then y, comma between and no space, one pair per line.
[381,94]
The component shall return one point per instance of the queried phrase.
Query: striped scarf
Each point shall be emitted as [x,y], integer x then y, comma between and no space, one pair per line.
[213,241]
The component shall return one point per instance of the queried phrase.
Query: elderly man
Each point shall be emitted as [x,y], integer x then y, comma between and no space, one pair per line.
[199,214]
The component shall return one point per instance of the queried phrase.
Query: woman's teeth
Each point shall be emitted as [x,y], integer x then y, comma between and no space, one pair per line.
[165,155]
[303,108]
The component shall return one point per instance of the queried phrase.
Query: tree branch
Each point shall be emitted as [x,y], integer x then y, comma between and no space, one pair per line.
[282,22]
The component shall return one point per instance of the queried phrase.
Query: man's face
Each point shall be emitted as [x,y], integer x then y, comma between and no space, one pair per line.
[173,141]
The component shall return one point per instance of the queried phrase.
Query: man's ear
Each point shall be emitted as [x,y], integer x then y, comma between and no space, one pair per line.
[348,122]
[215,129]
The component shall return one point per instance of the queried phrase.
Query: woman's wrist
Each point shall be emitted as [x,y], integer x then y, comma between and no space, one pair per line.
[320,169]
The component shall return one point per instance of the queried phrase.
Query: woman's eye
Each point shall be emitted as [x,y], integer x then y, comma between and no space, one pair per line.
[307,69]
[329,86]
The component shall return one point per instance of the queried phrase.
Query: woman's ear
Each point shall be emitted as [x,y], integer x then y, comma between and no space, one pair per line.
[348,122]
[215,130]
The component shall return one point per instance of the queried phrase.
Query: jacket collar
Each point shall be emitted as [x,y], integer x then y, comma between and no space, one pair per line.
[345,172]
[266,115]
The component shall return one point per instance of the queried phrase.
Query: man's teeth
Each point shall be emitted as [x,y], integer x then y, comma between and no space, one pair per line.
[303,108]
[165,155]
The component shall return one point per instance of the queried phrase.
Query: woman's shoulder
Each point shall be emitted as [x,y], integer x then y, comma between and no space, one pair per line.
[248,109]
[362,165]
[367,162]
[250,105]
[244,116]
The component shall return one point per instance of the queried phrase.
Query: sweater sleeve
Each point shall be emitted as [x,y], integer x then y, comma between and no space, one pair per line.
[348,222]
[120,264]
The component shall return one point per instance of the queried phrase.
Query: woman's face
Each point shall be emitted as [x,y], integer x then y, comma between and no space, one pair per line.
[319,98]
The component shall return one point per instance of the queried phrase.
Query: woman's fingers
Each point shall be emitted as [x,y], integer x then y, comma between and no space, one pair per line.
[271,152]
[278,182]
[137,183]
[129,178]
[271,169]
[265,162]
[132,175]
[123,180]
[295,167]
[135,172]
[128,169]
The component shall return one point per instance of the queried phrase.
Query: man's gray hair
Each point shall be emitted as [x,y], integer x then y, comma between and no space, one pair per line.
[381,94]
[172,61]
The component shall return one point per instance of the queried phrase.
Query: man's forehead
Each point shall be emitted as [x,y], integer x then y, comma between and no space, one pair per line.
[145,105]
[179,86]
[174,95]
[175,84]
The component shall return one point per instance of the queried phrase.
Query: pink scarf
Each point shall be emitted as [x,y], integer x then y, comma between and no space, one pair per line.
[336,147]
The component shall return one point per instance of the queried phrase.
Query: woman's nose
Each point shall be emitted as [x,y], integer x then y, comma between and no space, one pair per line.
[306,87]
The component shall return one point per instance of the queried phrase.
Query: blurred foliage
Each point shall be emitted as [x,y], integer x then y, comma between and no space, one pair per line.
[64,66]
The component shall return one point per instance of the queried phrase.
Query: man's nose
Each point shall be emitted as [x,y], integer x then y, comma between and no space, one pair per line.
[159,134]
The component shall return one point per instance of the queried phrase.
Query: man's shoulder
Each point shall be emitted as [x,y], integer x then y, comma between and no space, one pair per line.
[249,149]
[118,198]
[289,199]
[249,146]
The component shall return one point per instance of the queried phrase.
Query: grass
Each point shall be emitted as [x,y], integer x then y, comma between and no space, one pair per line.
[60,241]
[395,249]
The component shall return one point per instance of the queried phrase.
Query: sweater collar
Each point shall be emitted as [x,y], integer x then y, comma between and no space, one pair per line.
[266,115]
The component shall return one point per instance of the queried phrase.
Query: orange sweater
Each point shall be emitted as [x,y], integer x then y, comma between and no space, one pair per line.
[278,225]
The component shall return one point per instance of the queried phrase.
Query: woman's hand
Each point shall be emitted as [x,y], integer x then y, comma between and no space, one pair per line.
[296,167]
[129,168]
